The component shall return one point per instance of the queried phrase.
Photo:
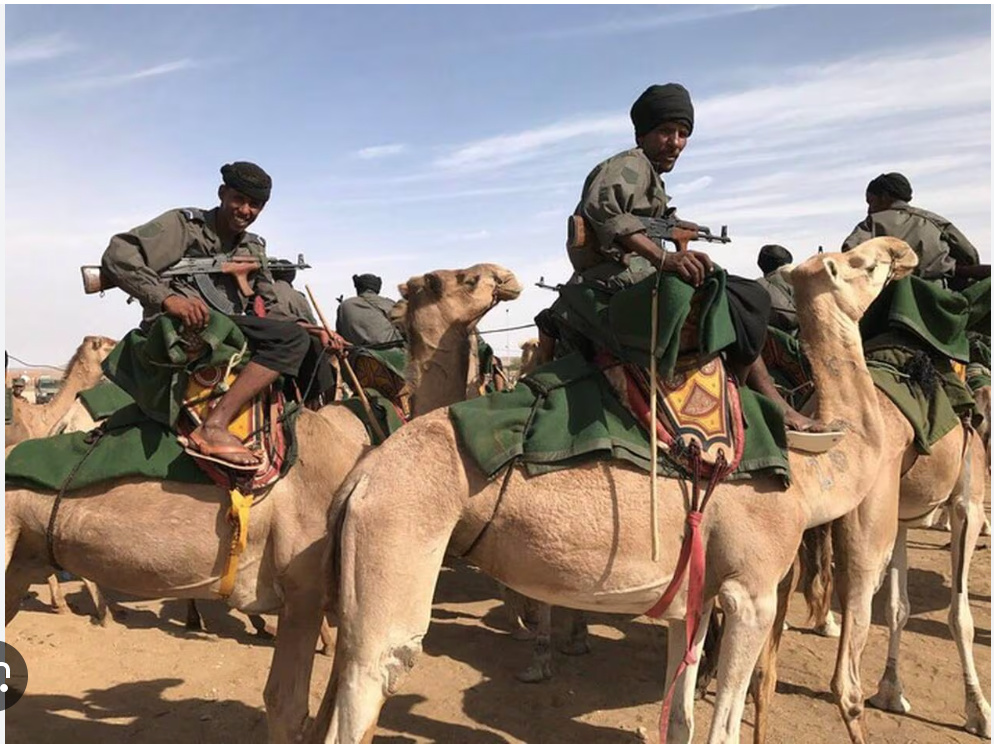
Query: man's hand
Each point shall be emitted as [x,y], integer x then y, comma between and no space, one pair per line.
[692,266]
[332,340]
[192,312]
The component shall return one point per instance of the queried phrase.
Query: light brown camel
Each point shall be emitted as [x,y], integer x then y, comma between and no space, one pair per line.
[82,372]
[581,537]
[174,542]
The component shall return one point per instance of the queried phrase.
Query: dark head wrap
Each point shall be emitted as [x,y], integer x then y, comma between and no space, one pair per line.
[367,282]
[891,185]
[248,179]
[772,257]
[662,103]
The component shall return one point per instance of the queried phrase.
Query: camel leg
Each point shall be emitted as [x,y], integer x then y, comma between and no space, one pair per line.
[327,639]
[680,728]
[59,605]
[102,615]
[967,514]
[764,679]
[262,630]
[577,643]
[194,622]
[540,668]
[890,690]
[863,541]
[516,608]
[748,621]
[288,687]
[828,627]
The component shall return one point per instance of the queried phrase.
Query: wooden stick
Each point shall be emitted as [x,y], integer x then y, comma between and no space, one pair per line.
[653,437]
[360,392]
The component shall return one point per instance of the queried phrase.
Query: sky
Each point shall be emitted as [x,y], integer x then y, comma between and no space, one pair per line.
[407,139]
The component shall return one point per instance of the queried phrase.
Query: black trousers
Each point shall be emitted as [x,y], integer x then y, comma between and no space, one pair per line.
[750,306]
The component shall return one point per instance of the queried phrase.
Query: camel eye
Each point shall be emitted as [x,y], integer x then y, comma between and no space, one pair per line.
[472,281]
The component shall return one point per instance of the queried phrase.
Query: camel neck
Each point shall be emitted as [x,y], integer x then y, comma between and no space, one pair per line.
[439,367]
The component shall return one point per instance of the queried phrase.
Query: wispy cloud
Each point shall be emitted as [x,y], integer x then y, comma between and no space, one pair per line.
[697,185]
[381,151]
[38,49]
[123,79]
[648,23]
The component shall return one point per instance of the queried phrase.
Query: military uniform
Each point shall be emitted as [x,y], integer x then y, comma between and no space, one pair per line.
[135,258]
[939,244]
[365,320]
[615,195]
[783,313]
[291,303]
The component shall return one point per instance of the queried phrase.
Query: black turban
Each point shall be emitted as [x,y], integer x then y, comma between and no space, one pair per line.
[367,282]
[248,179]
[662,103]
[773,257]
[891,185]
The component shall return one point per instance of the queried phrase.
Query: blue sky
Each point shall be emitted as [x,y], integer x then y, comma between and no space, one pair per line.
[406,139]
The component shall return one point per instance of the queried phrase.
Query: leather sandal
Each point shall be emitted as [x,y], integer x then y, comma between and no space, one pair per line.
[200,448]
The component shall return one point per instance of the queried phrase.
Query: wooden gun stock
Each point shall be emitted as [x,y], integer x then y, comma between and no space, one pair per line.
[95,280]
[240,269]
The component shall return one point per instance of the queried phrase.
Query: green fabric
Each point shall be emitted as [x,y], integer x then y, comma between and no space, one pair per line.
[153,368]
[577,417]
[621,322]
[931,417]
[936,316]
[134,446]
[394,358]
[386,414]
[8,405]
[104,399]
[978,295]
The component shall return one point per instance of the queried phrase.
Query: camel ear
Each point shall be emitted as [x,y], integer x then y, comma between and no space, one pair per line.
[402,289]
[434,283]
[832,268]
[903,258]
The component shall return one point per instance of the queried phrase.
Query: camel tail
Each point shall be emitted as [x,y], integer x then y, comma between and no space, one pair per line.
[816,570]
[353,487]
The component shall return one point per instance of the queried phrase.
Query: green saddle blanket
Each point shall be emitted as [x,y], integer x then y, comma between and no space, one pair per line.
[566,412]
[386,414]
[104,399]
[132,446]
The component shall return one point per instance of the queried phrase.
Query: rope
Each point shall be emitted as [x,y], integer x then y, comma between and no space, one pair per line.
[96,434]
[509,329]
[34,365]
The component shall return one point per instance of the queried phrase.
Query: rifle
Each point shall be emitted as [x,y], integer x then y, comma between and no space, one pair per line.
[239,266]
[580,236]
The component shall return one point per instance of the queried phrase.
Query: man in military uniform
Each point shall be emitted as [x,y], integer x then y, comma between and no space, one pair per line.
[944,254]
[279,346]
[628,186]
[783,314]
[365,318]
[292,303]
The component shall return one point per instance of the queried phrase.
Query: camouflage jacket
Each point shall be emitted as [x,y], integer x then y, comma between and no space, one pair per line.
[939,244]
[135,258]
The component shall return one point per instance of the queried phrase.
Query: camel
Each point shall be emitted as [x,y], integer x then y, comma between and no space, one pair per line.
[581,537]
[174,543]
[82,372]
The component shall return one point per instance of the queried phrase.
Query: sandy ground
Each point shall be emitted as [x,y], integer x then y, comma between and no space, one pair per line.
[146,679]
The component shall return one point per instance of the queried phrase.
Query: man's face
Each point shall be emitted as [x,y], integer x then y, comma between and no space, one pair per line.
[877,203]
[664,144]
[237,211]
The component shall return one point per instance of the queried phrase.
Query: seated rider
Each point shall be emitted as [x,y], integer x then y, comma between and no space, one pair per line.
[945,255]
[628,186]
[278,346]
[365,318]
[783,313]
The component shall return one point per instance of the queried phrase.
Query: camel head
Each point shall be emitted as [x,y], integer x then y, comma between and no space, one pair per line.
[854,278]
[91,352]
[455,296]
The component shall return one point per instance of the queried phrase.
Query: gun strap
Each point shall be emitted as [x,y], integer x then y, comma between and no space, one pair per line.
[215,298]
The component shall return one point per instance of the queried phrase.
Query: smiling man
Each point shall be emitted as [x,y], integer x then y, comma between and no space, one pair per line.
[278,345]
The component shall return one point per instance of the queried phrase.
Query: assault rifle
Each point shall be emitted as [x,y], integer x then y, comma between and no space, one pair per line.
[581,238]
[239,266]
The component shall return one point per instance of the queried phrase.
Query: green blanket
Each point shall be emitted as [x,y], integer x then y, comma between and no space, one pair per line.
[566,412]
[386,415]
[104,399]
[621,322]
[154,368]
[133,446]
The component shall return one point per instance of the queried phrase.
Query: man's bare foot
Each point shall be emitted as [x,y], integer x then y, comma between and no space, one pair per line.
[219,444]
[794,420]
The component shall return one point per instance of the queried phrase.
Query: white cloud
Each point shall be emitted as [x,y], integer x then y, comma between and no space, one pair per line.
[381,151]
[38,49]
[690,187]
[121,79]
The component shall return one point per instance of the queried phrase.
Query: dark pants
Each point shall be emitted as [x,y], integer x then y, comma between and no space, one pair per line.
[750,306]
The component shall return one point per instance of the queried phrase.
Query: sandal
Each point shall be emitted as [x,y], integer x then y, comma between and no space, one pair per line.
[200,448]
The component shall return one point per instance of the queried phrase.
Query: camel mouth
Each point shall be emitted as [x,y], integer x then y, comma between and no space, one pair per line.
[508,288]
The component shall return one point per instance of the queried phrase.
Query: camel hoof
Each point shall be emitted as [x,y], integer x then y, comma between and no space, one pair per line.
[891,700]
[265,634]
[62,610]
[978,722]
[535,673]
[575,647]
[829,629]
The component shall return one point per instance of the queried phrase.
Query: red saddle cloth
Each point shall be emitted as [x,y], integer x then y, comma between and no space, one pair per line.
[698,404]
[258,425]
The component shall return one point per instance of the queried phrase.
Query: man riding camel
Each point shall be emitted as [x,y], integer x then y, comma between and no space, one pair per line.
[278,345]
[628,186]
